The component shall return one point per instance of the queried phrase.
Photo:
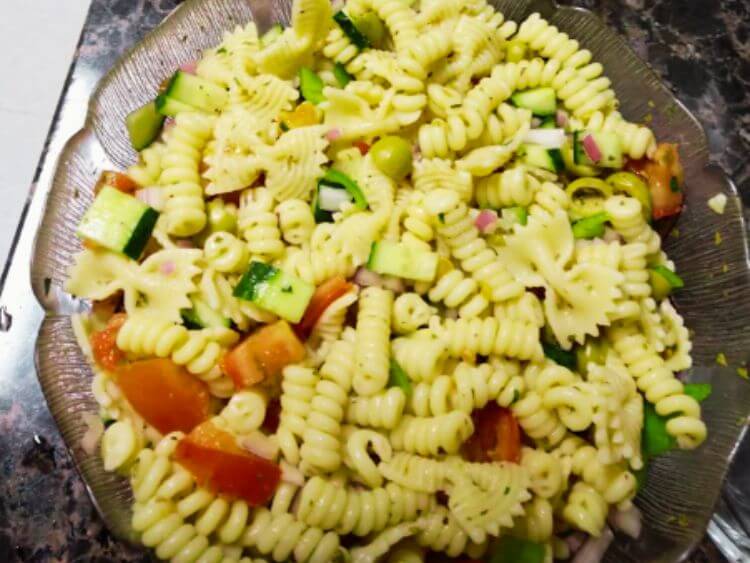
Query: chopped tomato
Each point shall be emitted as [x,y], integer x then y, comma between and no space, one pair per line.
[496,437]
[262,355]
[165,394]
[665,177]
[324,295]
[219,464]
[104,343]
[363,147]
[116,180]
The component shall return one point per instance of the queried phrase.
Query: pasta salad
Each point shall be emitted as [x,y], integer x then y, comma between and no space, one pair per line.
[386,285]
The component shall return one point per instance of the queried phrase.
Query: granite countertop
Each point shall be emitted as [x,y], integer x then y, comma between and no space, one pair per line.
[700,48]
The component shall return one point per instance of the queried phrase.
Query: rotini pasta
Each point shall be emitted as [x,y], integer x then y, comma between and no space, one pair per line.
[415,185]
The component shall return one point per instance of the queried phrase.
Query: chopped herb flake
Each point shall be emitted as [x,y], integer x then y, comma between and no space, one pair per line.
[717,238]
[721,359]
[742,372]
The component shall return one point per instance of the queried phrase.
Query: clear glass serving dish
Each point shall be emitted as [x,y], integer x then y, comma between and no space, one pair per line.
[683,487]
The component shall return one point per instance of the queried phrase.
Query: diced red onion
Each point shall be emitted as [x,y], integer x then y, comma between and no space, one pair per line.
[627,521]
[152,196]
[366,278]
[290,474]
[594,549]
[333,134]
[94,431]
[486,221]
[184,243]
[168,268]
[591,148]
[189,67]
[561,118]
[396,285]
[575,541]
[547,138]
[261,445]
[610,235]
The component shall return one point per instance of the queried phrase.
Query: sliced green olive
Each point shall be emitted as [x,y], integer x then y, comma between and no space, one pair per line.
[370,25]
[632,185]
[572,167]
[393,156]
[516,51]
[587,196]
[220,217]
[593,351]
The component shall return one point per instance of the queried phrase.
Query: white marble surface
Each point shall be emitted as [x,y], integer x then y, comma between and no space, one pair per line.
[37,42]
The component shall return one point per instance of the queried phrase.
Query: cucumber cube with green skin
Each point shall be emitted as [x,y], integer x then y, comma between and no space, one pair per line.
[276,291]
[144,125]
[540,157]
[609,146]
[170,107]
[119,222]
[403,261]
[197,92]
[541,101]
[203,316]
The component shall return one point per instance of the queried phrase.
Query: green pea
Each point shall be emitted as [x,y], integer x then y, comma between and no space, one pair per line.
[630,184]
[370,26]
[593,351]
[516,51]
[392,155]
[221,217]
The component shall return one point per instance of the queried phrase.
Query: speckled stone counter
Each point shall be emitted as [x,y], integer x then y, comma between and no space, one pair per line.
[700,47]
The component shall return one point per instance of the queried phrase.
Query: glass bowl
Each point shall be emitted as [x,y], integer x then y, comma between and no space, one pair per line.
[683,487]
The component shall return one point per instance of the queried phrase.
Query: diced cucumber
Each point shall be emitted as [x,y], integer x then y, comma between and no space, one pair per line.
[608,145]
[664,281]
[403,261]
[311,86]
[347,26]
[203,316]
[171,107]
[514,216]
[197,92]
[276,291]
[119,222]
[541,101]
[334,189]
[342,75]
[273,33]
[538,156]
[144,125]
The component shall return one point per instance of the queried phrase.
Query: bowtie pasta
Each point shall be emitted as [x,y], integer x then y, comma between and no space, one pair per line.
[385,284]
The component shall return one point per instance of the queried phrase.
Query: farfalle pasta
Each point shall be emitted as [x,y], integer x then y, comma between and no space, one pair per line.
[386,284]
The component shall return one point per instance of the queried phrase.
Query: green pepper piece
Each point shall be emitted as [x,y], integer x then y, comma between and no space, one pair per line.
[590,227]
[399,378]
[664,281]
[655,439]
[341,75]
[311,86]
[632,185]
[698,391]
[337,179]
[516,550]
[566,358]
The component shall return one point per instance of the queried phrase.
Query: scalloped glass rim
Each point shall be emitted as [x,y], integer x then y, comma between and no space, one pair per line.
[682,487]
